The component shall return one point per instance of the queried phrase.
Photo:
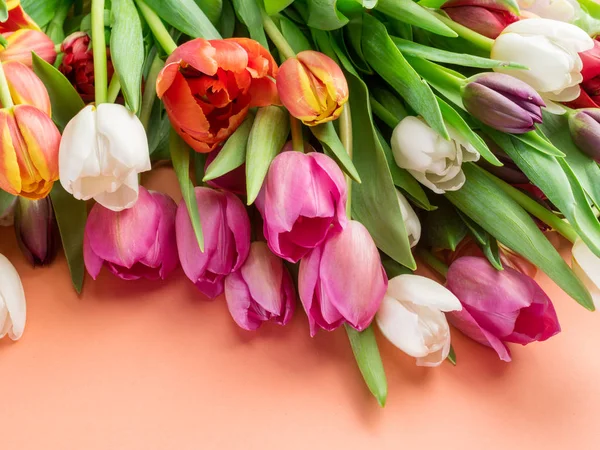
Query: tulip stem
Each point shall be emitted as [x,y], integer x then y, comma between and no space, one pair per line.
[285,50]
[432,261]
[5,98]
[297,141]
[149,95]
[99,51]
[158,28]
[473,37]
[346,138]
[113,89]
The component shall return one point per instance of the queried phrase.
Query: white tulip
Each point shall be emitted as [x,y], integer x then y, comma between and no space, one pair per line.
[586,266]
[411,317]
[562,10]
[549,49]
[12,301]
[102,151]
[432,160]
[411,221]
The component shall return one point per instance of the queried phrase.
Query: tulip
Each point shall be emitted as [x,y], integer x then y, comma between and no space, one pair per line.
[585,131]
[563,10]
[503,102]
[103,149]
[412,318]
[589,96]
[499,306]
[17,18]
[302,199]
[25,87]
[432,160]
[226,230]
[261,290]
[312,87]
[586,266]
[37,230]
[209,86]
[234,181]
[22,42]
[342,280]
[550,49]
[13,312]
[134,243]
[411,220]
[28,151]
[483,16]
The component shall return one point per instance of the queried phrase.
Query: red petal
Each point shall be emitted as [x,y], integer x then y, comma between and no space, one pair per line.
[184,112]
[230,55]
[259,58]
[263,92]
[199,54]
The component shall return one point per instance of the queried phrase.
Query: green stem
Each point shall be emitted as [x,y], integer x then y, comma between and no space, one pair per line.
[473,37]
[433,262]
[158,28]
[113,89]
[56,25]
[5,98]
[383,114]
[297,141]
[278,39]
[346,138]
[58,48]
[99,51]
[150,92]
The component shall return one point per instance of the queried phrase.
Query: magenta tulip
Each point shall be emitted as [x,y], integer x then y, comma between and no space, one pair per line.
[261,290]
[302,199]
[342,280]
[499,306]
[226,230]
[134,243]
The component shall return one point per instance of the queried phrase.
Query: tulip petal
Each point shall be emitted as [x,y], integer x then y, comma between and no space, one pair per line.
[422,291]
[260,60]
[401,327]
[124,195]
[93,263]
[239,302]
[197,53]
[263,92]
[165,254]
[570,37]
[296,90]
[328,72]
[25,86]
[23,42]
[13,310]
[10,172]
[264,271]
[229,55]
[239,224]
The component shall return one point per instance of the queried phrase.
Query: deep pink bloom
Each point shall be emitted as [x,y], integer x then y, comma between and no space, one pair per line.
[226,230]
[342,280]
[134,243]
[302,199]
[499,306]
[261,290]
[234,181]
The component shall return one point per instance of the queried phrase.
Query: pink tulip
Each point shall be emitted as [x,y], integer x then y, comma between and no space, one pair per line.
[302,199]
[134,243]
[260,290]
[499,306]
[226,230]
[342,280]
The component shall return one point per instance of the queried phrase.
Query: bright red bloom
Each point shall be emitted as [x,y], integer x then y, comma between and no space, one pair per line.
[17,18]
[483,16]
[209,86]
[589,96]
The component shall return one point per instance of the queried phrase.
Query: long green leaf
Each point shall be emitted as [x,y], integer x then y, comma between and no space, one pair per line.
[295,37]
[41,11]
[274,6]
[537,142]
[443,228]
[6,200]
[248,12]
[324,15]
[186,16]
[488,244]
[212,9]
[333,147]
[414,14]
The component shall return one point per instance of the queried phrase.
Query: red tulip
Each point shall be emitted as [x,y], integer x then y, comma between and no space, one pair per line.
[209,86]
[17,18]
[25,86]
[22,42]
[589,96]
[483,16]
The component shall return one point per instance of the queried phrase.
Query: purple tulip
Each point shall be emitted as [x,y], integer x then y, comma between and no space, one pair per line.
[499,306]
[36,230]
[226,230]
[134,243]
[302,199]
[261,290]
[342,280]
[503,102]
[585,130]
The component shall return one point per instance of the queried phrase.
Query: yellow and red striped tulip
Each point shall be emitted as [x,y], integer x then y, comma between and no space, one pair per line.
[29,143]
[312,87]
[22,42]
[17,18]
[25,87]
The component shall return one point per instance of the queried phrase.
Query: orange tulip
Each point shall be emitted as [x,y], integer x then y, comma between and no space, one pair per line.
[312,87]
[208,87]
[17,18]
[25,86]
[22,42]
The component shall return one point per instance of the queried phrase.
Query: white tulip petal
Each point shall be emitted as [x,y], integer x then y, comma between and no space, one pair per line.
[437,357]
[570,37]
[401,327]
[13,311]
[423,291]
[123,197]
[421,178]
[452,185]
[565,95]
[410,134]
[411,221]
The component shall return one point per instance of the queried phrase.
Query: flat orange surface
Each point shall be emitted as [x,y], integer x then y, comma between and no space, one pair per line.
[151,365]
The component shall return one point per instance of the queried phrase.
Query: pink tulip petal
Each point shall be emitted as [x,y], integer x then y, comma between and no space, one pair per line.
[93,263]
[239,302]
[263,272]
[289,294]
[239,223]
[164,254]
[308,277]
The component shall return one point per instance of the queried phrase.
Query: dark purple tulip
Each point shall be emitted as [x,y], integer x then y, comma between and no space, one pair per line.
[36,230]
[585,131]
[503,102]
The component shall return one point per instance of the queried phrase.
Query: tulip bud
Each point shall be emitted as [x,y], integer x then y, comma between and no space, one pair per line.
[12,301]
[261,290]
[342,280]
[499,306]
[585,131]
[503,102]
[482,16]
[25,86]
[586,266]
[17,18]
[36,230]
[22,42]
[411,220]
[412,318]
[312,87]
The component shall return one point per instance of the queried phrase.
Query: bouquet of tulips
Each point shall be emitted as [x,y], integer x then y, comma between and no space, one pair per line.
[320,147]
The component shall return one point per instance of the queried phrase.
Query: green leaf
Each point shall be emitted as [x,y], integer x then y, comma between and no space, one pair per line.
[227,21]
[212,9]
[6,200]
[460,59]
[274,6]
[410,12]
[385,58]
[446,81]
[368,359]
[127,50]
[443,228]
[452,356]
[488,245]
[295,37]
[334,148]
[41,11]
[180,156]
[3,11]
[186,16]
[393,268]
[537,142]
[248,12]
[159,130]
[350,38]
[65,100]
[71,215]
[268,135]
[233,153]
[324,15]
[389,101]
[490,207]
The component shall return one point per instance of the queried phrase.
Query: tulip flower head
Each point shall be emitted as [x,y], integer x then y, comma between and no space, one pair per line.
[587,268]
[562,10]
[312,87]
[412,318]
[431,159]
[342,280]
[135,243]
[17,18]
[22,42]
[302,199]
[411,221]
[261,290]
[13,311]
[103,149]
[589,96]
[226,230]
[484,17]
[499,306]
[585,131]
[25,86]
[36,230]
[209,86]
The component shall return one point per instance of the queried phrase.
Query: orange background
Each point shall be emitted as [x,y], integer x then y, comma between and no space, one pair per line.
[151,365]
